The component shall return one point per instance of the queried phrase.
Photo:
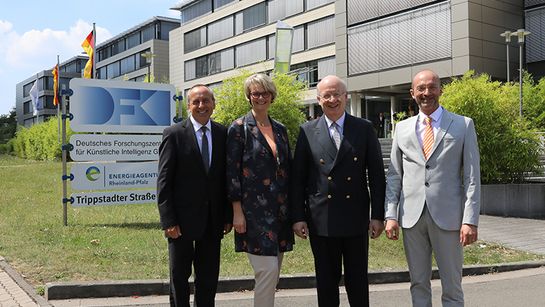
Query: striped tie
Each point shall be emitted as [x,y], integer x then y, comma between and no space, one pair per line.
[427,143]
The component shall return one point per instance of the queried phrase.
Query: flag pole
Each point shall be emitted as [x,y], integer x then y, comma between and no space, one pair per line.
[58,102]
[94,51]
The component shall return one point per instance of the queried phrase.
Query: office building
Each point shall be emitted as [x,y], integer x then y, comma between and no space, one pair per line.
[219,37]
[69,69]
[123,57]
[385,43]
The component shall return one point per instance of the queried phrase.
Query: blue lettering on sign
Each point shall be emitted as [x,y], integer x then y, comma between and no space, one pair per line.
[123,106]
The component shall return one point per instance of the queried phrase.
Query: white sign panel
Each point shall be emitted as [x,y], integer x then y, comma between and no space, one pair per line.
[121,106]
[114,198]
[109,176]
[115,147]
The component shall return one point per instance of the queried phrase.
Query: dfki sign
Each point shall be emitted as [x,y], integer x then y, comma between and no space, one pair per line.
[121,106]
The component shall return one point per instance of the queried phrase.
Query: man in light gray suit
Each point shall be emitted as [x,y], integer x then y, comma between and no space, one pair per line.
[433,191]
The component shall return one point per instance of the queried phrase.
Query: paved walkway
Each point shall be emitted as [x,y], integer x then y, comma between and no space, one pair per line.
[11,293]
[523,234]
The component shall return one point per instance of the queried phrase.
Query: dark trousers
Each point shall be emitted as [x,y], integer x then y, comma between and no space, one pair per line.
[204,255]
[329,256]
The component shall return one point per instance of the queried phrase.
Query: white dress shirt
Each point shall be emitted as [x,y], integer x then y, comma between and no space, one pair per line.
[435,123]
[198,134]
[339,122]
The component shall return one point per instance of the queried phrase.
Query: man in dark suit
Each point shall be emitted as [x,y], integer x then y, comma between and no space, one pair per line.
[192,199]
[331,196]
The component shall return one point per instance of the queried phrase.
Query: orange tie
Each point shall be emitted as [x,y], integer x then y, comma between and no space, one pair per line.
[427,143]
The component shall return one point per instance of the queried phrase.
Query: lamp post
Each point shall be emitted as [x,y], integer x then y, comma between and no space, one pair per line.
[507,35]
[149,56]
[520,34]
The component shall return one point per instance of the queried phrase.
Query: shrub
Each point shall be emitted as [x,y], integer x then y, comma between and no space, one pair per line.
[508,146]
[231,102]
[39,142]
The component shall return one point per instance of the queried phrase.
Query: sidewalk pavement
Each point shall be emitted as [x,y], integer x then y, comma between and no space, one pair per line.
[523,234]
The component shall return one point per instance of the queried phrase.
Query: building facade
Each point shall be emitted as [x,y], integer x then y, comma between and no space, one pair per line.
[382,45]
[218,37]
[534,12]
[123,57]
[69,69]
[376,46]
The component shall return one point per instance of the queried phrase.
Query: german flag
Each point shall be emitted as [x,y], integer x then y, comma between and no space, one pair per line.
[89,47]
[55,73]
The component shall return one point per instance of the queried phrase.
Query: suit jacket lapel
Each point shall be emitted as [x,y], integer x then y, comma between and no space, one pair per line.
[414,138]
[322,135]
[446,120]
[215,146]
[347,139]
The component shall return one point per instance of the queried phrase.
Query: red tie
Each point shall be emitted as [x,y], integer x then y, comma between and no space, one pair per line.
[427,143]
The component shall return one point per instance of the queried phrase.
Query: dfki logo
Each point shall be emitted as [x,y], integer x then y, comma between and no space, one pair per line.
[92,173]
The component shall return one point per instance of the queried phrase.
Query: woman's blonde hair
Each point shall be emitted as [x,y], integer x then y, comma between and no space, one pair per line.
[261,80]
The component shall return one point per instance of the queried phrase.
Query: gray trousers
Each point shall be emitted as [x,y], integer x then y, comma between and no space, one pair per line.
[419,242]
[267,274]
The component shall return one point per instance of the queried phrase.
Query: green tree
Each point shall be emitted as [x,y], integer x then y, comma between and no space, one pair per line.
[508,146]
[8,126]
[231,102]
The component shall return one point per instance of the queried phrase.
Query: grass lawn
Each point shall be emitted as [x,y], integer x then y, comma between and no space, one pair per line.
[125,242]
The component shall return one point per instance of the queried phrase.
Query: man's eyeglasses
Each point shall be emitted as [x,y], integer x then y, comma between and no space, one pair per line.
[329,97]
[256,95]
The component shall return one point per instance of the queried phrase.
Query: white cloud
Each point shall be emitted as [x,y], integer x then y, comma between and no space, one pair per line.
[41,47]
[5,26]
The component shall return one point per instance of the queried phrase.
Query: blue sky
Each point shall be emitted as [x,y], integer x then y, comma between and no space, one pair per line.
[33,33]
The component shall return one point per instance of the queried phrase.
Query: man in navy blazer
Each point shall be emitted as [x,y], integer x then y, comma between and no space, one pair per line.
[338,171]
[433,191]
[192,199]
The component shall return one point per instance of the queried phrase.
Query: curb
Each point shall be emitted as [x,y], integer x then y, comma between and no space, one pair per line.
[22,283]
[102,289]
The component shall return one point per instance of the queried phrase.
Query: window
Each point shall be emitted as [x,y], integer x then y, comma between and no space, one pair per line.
[298,43]
[271,42]
[392,42]
[359,11]
[280,9]
[250,53]
[26,89]
[210,64]
[220,3]
[326,67]
[195,39]
[195,10]
[535,22]
[71,67]
[101,73]
[49,103]
[133,40]
[113,70]
[48,83]
[189,70]
[306,72]
[254,16]
[214,63]
[148,33]
[321,32]
[220,30]
[316,3]
[128,64]
[201,67]
[165,29]
[26,107]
